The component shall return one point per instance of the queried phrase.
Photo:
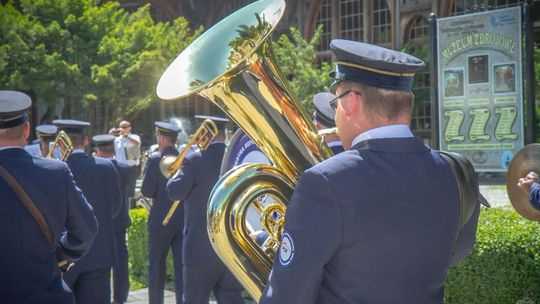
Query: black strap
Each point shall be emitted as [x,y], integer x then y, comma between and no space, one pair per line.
[27,202]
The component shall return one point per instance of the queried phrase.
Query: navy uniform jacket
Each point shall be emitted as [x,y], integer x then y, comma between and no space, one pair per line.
[122,221]
[192,185]
[336,148]
[153,186]
[99,182]
[376,224]
[29,266]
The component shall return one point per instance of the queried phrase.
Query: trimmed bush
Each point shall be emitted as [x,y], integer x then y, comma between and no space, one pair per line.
[137,239]
[504,266]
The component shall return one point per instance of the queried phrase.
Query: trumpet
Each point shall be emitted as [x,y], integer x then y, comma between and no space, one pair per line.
[169,165]
[63,143]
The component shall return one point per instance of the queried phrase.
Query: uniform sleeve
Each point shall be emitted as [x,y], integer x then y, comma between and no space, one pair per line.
[80,227]
[466,238]
[180,185]
[116,192]
[534,195]
[150,181]
[313,232]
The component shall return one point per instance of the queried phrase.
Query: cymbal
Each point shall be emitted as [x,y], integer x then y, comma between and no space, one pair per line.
[527,159]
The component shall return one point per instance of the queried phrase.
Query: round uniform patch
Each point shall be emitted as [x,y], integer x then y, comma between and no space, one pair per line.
[286,250]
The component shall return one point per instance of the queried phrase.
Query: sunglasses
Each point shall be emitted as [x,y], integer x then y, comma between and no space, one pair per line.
[333,102]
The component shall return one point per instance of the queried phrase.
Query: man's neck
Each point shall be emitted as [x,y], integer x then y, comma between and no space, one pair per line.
[12,143]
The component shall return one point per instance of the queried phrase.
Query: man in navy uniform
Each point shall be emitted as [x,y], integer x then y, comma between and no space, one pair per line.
[89,279]
[30,273]
[162,237]
[531,187]
[45,135]
[323,117]
[203,270]
[105,149]
[390,205]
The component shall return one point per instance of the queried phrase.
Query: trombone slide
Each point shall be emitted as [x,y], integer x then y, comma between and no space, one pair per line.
[170,213]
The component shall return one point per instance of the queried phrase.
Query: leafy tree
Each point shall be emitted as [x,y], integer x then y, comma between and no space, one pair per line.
[81,53]
[298,61]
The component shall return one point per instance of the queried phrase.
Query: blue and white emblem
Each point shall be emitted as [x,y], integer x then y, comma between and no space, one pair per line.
[286,250]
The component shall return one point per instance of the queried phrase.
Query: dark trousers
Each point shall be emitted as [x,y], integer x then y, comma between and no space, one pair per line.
[158,247]
[200,279]
[92,286]
[121,272]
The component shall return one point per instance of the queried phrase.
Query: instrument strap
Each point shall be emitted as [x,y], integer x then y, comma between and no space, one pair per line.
[27,202]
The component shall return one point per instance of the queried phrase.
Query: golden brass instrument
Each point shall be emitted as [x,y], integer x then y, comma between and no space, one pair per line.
[169,164]
[232,65]
[63,143]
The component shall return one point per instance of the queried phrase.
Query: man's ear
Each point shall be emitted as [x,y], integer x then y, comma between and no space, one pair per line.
[351,104]
[26,130]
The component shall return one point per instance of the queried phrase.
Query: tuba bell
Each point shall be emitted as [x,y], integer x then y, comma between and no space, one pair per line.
[232,65]
[62,142]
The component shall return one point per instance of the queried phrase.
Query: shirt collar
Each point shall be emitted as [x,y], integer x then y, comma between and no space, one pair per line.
[78,151]
[391,131]
[334,143]
[11,147]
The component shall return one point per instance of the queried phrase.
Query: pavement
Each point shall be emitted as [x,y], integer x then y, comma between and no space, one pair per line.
[492,187]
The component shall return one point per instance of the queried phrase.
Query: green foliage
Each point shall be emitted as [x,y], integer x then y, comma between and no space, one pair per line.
[298,62]
[137,239]
[503,267]
[82,52]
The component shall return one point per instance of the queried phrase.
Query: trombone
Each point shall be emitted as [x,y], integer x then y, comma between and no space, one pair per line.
[63,143]
[169,164]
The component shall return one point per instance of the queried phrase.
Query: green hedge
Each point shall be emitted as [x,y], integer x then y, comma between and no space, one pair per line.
[503,268]
[137,239]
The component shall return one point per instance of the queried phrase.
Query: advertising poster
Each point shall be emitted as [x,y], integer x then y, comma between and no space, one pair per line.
[480,87]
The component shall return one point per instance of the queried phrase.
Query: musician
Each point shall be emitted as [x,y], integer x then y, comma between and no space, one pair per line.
[128,150]
[45,135]
[162,237]
[89,279]
[28,260]
[379,222]
[105,149]
[323,118]
[531,187]
[203,270]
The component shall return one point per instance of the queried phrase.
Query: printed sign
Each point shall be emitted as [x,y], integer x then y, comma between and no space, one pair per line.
[480,88]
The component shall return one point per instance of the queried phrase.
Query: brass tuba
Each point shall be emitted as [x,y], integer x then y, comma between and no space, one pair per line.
[62,142]
[232,65]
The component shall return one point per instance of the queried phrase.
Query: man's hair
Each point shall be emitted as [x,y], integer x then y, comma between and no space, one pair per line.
[12,133]
[77,139]
[125,122]
[108,149]
[170,138]
[384,103]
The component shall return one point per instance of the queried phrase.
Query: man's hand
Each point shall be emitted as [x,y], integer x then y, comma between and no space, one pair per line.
[525,183]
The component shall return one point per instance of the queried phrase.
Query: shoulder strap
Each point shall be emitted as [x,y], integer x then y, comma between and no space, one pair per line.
[27,202]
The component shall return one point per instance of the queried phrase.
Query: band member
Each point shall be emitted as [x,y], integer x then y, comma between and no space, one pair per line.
[390,205]
[29,260]
[323,117]
[45,135]
[203,270]
[162,237]
[105,149]
[89,279]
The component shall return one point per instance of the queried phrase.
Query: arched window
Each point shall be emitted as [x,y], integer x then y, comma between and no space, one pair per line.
[382,23]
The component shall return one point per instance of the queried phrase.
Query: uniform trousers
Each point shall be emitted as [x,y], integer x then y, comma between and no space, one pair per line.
[121,271]
[158,247]
[200,279]
[92,286]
